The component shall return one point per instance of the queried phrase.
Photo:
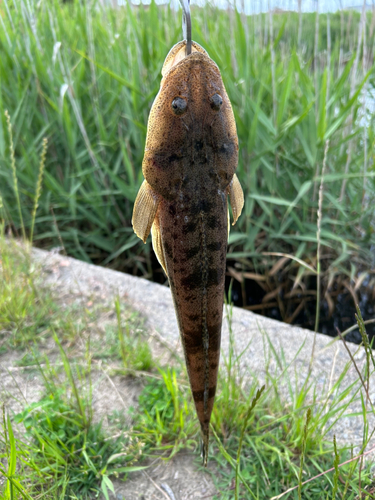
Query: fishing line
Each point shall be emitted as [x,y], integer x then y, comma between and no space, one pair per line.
[186,24]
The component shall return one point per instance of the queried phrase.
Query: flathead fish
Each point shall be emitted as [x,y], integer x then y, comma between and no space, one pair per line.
[189,167]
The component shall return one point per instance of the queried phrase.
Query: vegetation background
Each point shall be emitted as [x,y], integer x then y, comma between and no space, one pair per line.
[85,76]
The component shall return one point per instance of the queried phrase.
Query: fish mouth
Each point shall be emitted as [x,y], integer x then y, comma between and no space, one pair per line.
[165,155]
[177,55]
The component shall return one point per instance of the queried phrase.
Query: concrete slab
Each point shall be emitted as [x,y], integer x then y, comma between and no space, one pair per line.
[252,333]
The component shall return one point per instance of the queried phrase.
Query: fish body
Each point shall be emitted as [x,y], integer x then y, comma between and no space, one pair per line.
[189,167]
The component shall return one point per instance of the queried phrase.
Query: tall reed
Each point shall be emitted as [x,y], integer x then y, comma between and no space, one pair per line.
[85,76]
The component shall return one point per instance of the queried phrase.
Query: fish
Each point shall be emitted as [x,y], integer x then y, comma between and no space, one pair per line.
[189,164]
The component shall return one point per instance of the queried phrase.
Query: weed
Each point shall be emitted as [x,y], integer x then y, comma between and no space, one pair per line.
[164,417]
[125,341]
[135,352]
[38,186]
[305,434]
[308,86]
[63,452]
[29,313]
[74,454]
[13,485]
[26,313]
[282,442]
[14,172]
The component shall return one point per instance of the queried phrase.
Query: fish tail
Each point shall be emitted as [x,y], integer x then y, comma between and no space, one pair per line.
[205,434]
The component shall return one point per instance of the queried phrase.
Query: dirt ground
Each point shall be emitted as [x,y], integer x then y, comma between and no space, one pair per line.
[177,479]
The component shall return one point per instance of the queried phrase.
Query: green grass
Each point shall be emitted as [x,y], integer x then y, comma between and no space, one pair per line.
[23,315]
[165,416]
[90,96]
[263,442]
[63,453]
[274,441]
[123,341]
[75,456]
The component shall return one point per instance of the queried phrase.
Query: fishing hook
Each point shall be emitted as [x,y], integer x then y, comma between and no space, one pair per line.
[186,24]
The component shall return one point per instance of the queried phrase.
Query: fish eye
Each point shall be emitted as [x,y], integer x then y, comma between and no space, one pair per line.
[179,106]
[216,101]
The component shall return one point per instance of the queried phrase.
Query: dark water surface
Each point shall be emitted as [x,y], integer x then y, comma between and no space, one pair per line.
[342,317]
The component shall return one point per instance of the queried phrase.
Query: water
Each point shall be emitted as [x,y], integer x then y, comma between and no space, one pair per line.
[342,317]
[257,6]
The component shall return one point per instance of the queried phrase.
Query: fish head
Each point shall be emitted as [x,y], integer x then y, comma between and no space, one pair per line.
[191,116]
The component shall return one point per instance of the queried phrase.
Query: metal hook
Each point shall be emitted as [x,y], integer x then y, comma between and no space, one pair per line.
[186,24]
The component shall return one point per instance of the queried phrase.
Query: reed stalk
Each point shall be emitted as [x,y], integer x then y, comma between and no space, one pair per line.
[93,169]
[14,172]
[318,264]
[38,186]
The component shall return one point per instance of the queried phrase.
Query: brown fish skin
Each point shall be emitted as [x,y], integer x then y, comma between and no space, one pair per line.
[189,163]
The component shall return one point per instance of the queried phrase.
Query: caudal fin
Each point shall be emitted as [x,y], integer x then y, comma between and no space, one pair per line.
[205,440]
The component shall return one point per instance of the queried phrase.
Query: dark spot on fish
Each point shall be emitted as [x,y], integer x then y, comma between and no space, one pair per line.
[193,341]
[215,276]
[176,260]
[204,205]
[192,281]
[193,317]
[191,227]
[173,157]
[213,222]
[192,252]
[168,249]
[199,395]
[227,148]
[214,247]
[216,314]
[224,176]
[198,145]
[213,365]
[185,182]
[214,337]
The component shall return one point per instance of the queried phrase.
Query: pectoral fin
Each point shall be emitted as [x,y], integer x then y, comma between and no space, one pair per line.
[236,198]
[145,208]
[157,243]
